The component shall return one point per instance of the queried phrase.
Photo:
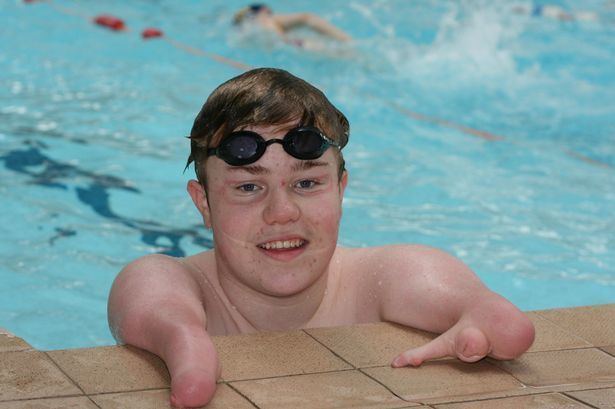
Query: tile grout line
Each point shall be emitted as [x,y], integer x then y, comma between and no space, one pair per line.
[488,361]
[329,349]
[289,375]
[69,377]
[567,330]
[42,398]
[242,395]
[580,401]
[386,387]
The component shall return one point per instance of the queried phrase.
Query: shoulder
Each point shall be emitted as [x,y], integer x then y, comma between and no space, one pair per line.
[159,270]
[388,256]
[153,263]
[407,261]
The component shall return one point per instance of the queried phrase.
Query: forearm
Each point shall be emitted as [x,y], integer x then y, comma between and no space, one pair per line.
[508,330]
[177,334]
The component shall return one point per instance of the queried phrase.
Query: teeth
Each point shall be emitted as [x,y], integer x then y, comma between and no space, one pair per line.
[286,244]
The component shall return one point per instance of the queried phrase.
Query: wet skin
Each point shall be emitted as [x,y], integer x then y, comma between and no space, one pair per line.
[277,266]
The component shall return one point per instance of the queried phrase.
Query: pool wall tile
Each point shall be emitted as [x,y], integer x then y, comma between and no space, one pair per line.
[366,345]
[346,389]
[112,369]
[447,381]
[599,398]
[609,349]
[544,401]
[31,374]
[552,337]
[593,323]
[9,342]
[566,368]
[81,402]
[225,398]
[268,354]
[571,365]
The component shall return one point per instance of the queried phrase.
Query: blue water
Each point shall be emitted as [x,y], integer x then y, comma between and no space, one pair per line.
[92,149]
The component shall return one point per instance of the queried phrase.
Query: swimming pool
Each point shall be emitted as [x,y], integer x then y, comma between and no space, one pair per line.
[92,149]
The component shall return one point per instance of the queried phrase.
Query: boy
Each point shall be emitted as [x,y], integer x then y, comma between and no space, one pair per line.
[267,152]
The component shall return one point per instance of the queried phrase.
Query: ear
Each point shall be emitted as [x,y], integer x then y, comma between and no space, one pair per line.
[343,183]
[199,197]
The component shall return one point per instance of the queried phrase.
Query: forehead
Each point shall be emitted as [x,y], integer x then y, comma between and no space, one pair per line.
[270,131]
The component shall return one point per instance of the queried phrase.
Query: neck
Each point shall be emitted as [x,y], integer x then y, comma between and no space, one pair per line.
[270,312]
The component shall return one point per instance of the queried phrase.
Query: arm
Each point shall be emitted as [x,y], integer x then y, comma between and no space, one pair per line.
[156,304]
[431,290]
[288,21]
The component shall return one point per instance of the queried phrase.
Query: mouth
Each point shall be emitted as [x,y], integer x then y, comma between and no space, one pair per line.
[283,250]
[283,244]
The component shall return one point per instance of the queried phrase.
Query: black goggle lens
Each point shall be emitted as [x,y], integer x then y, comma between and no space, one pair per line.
[245,147]
[238,148]
[305,144]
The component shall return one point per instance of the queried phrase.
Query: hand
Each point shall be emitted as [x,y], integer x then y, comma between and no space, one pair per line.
[469,344]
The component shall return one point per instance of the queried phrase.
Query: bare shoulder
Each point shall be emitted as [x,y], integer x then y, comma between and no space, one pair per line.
[158,264]
[413,256]
[411,264]
[155,274]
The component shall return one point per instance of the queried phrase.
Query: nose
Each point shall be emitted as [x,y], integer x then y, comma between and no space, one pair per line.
[281,208]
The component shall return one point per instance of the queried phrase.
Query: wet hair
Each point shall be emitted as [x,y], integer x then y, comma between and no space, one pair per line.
[263,97]
[250,11]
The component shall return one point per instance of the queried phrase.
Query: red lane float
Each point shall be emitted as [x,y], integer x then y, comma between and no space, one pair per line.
[151,32]
[110,22]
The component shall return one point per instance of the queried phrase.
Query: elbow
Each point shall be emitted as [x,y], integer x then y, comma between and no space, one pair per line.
[517,339]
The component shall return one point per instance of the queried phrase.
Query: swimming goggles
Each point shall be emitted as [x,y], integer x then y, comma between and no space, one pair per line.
[245,147]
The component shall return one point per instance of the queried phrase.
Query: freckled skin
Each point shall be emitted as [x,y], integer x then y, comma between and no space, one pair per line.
[172,307]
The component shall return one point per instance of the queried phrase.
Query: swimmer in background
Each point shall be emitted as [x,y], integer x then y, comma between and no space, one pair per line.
[282,24]
[555,12]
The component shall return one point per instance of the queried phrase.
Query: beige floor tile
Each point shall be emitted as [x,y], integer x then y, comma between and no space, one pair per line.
[77,402]
[551,337]
[10,342]
[433,381]
[269,354]
[31,374]
[80,402]
[595,324]
[347,389]
[225,398]
[609,349]
[112,369]
[370,344]
[600,398]
[547,401]
[577,366]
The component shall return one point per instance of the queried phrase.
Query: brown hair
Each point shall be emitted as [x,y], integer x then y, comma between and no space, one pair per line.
[263,96]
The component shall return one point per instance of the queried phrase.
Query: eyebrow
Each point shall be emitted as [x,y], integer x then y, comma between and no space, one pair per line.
[308,164]
[252,169]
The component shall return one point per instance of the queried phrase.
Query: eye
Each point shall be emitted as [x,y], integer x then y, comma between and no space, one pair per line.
[248,188]
[306,184]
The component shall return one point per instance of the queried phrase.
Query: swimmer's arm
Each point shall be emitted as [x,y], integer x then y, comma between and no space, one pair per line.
[289,21]
[432,290]
[156,304]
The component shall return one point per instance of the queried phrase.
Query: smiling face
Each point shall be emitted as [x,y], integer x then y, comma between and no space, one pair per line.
[275,222]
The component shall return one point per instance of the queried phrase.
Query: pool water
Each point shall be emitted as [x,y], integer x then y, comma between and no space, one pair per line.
[475,129]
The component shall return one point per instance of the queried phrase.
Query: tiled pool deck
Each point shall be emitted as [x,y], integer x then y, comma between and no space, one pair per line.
[571,365]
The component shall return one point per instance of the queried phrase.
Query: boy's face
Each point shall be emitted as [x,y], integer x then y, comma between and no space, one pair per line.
[275,221]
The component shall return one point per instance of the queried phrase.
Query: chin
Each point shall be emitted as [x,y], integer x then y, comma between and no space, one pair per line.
[287,285]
